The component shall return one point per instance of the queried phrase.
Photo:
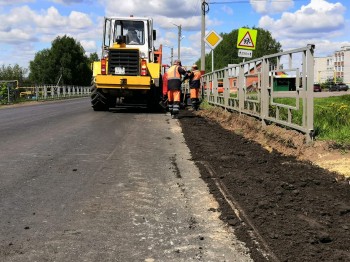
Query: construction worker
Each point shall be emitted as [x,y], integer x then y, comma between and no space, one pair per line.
[174,87]
[195,82]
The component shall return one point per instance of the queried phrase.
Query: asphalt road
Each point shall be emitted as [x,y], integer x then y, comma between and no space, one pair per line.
[79,185]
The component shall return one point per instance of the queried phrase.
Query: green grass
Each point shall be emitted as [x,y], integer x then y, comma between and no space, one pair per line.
[297,115]
[331,117]
[205,105]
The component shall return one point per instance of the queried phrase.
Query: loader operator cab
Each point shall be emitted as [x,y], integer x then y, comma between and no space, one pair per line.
[134,32]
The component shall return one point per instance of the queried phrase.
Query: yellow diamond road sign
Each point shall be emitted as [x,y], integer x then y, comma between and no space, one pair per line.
[212,39]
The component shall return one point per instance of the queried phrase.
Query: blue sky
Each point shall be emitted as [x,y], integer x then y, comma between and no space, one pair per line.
[28,26]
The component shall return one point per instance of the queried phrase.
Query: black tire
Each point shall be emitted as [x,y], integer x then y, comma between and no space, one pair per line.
[155,96]
[99,101]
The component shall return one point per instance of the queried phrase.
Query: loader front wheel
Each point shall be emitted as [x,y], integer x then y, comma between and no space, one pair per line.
[99,100]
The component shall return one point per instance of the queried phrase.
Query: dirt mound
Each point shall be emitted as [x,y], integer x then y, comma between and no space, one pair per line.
[287,142]
[299,211]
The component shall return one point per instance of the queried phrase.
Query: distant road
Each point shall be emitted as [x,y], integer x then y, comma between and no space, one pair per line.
[316,94]
[335,93]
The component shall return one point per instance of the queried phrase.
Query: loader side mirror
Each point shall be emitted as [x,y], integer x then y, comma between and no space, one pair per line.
[154,35]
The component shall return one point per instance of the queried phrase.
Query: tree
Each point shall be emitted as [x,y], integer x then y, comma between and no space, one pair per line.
[64,62]
[41,70]
[227,53]
[13,73]
[93,57]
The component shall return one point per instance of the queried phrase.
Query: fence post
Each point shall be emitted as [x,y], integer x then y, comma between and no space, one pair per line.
[240,86]
[264,100]
[226,85]
[310,92]
[45,92]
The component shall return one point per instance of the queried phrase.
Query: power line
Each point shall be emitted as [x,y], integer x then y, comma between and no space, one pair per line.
[196,7]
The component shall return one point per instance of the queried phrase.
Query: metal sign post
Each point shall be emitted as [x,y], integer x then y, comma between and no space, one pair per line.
[212,60]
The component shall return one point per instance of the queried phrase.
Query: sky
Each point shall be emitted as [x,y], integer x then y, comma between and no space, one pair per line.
[29,26]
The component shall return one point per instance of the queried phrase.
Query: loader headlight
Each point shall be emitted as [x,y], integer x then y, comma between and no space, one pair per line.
[105,53]
[143,55]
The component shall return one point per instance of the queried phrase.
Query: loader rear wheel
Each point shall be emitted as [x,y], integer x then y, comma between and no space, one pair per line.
[99,100]
[154,98]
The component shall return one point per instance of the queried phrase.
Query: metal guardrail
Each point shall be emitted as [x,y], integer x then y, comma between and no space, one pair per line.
[42,92]
[248,88]
[45,92]
[58,92]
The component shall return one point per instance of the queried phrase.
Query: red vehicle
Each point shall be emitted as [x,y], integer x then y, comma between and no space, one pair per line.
[317,88]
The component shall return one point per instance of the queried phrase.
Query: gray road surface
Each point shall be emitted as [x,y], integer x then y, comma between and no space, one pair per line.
[79,185]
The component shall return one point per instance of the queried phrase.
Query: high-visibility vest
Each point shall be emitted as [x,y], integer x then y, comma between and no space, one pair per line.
[173,73]
[196,75]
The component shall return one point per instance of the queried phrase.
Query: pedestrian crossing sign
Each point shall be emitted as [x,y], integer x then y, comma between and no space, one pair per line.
[247,38]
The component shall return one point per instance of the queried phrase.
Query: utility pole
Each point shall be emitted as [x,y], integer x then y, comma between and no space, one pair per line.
[204,8]
[178,40]
[171,54]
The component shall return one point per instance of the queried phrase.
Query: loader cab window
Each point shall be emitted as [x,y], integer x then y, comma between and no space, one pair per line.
[133,31]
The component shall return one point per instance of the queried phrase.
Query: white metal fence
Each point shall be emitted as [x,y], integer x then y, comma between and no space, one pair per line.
[58,92]
[41,92]
[254,88]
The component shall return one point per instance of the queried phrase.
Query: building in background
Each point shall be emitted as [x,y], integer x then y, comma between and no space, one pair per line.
[323,69]
[342,64]
[335,68]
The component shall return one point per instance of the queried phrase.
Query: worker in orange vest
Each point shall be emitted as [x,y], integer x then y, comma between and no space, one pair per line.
[174,87]
[195,83]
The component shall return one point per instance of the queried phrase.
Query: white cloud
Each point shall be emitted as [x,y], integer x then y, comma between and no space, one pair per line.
[313,23]
[271,6]
[68,2]
[39,28]
[24,17]
[189,24]
[89,46]
[79,20]
[150,8]
[227,10]
[165,13]
[14,2]
[16,36]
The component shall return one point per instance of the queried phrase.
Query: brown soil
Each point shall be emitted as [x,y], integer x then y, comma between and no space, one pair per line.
[287,142]
[298,209]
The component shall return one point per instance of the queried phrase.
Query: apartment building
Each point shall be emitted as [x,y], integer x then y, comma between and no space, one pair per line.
[342,64]
[333,67]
